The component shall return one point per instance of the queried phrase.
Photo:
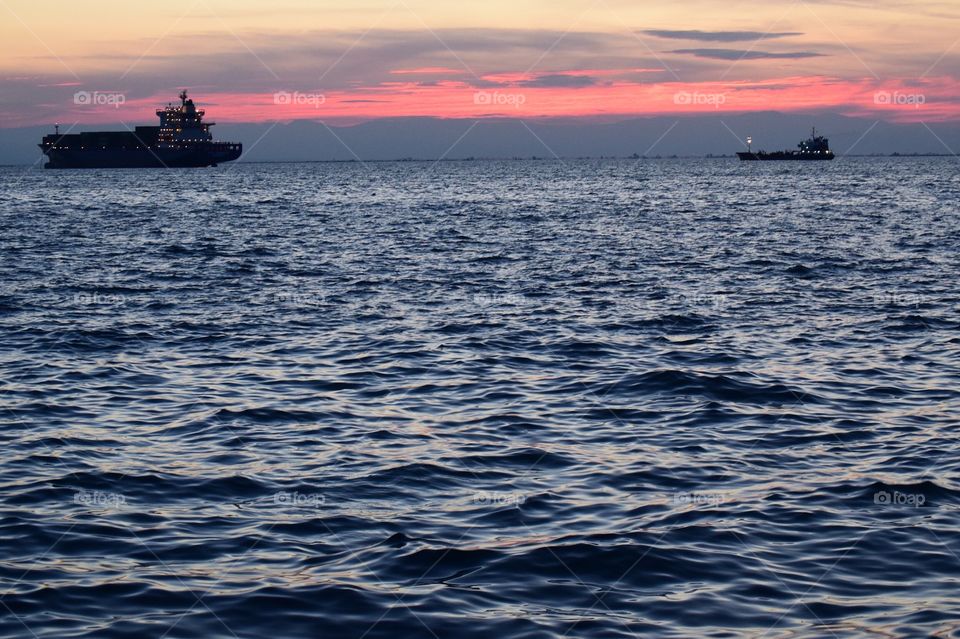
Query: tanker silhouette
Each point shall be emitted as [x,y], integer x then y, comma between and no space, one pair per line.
[816,147]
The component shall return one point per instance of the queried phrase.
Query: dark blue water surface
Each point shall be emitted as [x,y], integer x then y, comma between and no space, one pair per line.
[481,399]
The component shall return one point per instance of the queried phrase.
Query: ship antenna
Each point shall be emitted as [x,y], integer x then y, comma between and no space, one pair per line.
[56,128]
[183,97]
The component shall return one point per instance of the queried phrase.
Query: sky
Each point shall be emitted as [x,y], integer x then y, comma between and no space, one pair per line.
[98,61]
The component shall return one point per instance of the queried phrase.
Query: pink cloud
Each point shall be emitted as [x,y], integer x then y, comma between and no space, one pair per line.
[934,99]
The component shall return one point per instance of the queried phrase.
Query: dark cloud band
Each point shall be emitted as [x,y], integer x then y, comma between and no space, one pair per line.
[719,36]
[737,54]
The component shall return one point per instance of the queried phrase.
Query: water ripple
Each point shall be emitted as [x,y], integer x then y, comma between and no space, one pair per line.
[519,399]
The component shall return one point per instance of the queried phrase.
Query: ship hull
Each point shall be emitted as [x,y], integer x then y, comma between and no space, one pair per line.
[803,157]
[142,158]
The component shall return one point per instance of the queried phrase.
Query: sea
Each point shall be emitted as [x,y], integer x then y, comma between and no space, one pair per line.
[481,399]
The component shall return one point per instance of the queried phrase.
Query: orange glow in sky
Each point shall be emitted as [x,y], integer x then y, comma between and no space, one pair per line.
[373,59]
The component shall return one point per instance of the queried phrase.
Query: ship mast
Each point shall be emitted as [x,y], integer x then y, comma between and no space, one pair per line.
[183,98]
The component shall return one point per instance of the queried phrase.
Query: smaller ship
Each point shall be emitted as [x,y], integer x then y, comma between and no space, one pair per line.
[816,147]
[183,139]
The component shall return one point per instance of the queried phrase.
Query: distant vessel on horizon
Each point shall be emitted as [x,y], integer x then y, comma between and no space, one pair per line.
[816,147]
[183,139]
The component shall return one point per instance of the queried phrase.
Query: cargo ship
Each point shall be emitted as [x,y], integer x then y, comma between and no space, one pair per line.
[816,147]
[183,139]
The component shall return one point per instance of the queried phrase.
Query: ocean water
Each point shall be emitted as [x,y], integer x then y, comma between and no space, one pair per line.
[549,399]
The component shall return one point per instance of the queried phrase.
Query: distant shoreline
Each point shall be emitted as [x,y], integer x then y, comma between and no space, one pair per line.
[547,159]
